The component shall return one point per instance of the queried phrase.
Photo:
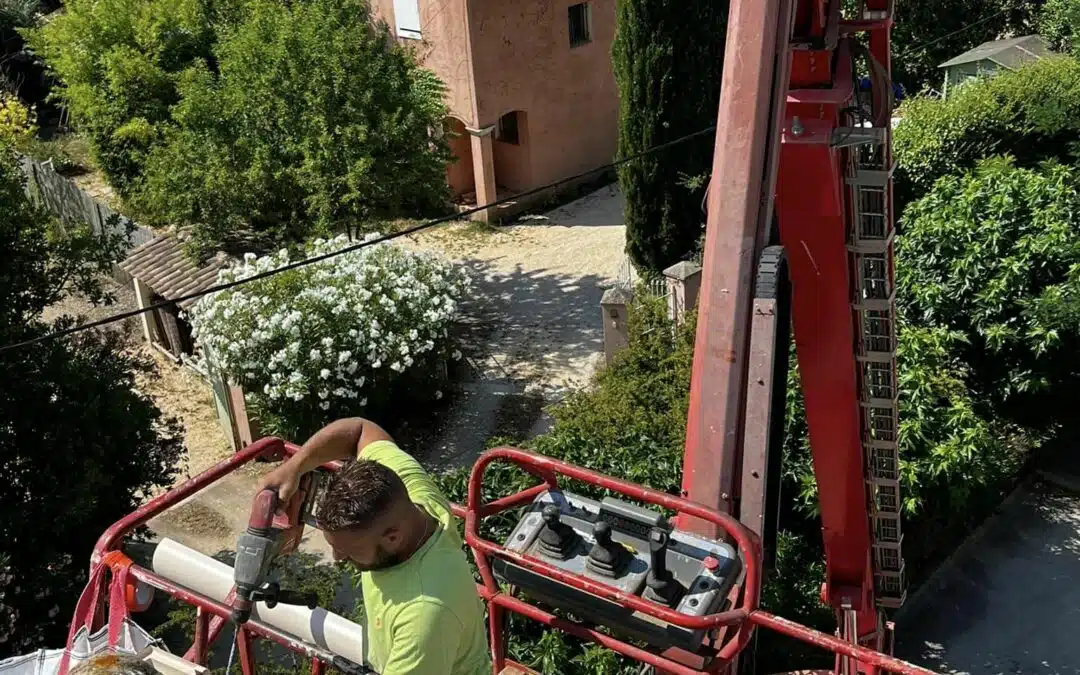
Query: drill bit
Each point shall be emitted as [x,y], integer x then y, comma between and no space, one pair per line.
[232,650]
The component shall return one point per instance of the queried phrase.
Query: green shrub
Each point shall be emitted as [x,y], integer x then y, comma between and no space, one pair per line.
[995,255]
[1058,21]
[119,61]
[668,61]
[294,136]
[1032,114]
[365,332]
[67,481]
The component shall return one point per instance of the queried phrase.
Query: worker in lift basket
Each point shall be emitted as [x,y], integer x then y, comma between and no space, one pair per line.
[384,513]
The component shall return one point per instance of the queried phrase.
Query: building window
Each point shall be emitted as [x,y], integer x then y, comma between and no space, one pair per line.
[579,17]
[407,18]
[507,131]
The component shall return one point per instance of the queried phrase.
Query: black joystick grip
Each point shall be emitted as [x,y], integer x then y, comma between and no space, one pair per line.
[602,532]
[607,557]
[660,584]
[557,539]
[658,554]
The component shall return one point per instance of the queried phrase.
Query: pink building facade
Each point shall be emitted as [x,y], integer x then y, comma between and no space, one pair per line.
[531,93]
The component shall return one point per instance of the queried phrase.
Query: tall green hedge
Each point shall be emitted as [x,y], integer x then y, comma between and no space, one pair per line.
[994,254]
[668,60]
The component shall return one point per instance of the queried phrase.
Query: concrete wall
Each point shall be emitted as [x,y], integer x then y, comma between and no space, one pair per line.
[497,56]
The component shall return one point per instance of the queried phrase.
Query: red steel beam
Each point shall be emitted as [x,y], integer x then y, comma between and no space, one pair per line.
[739,211]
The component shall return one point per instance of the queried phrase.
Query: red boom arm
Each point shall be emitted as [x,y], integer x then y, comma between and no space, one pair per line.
[791,128]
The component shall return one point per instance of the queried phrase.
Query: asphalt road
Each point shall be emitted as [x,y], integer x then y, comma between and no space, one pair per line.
[1009,600]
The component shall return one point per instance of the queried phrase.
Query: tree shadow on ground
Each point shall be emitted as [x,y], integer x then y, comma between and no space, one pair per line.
[528,336]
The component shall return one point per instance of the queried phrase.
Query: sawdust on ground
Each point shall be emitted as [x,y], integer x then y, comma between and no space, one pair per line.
[183,394]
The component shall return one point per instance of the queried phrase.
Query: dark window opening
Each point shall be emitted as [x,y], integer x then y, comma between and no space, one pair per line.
[507,131]
[579,16]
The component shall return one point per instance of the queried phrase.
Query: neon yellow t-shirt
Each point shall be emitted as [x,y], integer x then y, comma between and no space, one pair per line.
[424,616]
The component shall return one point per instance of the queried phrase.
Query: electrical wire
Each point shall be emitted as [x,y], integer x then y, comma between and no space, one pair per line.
[121,316]
[931,43]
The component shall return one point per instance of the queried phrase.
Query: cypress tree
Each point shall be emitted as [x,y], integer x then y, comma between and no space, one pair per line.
[668,58]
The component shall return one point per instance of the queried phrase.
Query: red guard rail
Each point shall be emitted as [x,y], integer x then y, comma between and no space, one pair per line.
[211,616]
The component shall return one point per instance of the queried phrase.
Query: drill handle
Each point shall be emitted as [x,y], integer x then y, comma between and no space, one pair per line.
[305,599]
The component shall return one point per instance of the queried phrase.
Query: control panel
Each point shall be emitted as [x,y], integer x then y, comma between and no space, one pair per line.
[628,548]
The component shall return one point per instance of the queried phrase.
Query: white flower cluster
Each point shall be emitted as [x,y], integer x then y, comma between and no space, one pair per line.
[326,330]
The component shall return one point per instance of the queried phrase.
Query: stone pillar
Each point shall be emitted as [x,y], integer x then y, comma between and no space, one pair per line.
[483,154]
[142,299]
[615,306]
[683,284]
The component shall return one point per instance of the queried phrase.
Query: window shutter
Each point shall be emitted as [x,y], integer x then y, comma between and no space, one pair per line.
[407,17]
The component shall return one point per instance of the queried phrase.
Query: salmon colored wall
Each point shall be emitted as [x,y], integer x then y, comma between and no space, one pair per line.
[459,174]
[513,168]
[523,61]
[443,49]
[516,55]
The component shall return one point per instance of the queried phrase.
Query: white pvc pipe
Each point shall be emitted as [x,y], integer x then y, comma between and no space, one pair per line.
[214,579]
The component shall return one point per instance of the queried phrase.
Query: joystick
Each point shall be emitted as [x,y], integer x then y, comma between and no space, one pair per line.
[557,540]
[607,558]
[660,585]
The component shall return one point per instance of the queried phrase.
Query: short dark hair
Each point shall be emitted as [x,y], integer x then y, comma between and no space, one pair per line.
[361,491]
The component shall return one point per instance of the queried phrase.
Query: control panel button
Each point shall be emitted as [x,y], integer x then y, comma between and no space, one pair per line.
[712,564]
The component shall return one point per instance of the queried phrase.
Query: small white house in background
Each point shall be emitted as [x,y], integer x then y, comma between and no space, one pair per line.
[992,57]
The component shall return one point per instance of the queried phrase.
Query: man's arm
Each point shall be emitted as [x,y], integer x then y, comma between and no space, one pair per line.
[342,439]
[425,640]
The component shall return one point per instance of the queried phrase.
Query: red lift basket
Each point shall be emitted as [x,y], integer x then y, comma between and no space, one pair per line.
[101,607]
[733,628]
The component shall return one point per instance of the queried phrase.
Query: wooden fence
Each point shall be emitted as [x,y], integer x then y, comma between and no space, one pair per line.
[72,205]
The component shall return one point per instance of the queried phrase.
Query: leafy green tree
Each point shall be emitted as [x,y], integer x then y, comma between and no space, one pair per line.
[1032,114]
[318,122]
[79,446]
[995,255]
[1059,22]
[668,62]
[119,62]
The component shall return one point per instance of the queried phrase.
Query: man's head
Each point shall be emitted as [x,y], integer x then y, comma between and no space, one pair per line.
[367,517]
[113,663]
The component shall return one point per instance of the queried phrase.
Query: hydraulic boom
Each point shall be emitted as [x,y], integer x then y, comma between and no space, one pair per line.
[803,161]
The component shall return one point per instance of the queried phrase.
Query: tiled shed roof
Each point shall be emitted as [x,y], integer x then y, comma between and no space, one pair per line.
[161,264]
[1010,53]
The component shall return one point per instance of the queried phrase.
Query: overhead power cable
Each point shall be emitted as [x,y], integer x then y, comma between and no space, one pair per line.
[931,43]
[122,316]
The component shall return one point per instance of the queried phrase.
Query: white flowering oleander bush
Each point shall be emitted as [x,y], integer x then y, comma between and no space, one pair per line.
[357,333]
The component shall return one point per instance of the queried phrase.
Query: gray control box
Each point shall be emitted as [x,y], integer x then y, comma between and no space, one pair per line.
[702,587]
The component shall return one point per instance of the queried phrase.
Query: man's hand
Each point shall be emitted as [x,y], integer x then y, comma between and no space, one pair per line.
[285,479]
[343,439]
